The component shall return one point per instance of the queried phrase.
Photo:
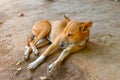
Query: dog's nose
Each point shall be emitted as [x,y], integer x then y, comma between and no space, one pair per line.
[61,44]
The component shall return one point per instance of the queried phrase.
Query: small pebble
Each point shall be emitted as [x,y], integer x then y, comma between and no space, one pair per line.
[1,21]
[21,14]
[110,35]
[18,63]
[44,78]
[18,71]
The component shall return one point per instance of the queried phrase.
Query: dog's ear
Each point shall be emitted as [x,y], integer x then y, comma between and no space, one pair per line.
[66,18]
[88,26]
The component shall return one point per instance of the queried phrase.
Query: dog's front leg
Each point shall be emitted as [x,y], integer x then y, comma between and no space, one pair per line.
[39,60]
[66,52]
[33,44]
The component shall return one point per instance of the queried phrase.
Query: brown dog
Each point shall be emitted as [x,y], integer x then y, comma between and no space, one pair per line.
[70,35]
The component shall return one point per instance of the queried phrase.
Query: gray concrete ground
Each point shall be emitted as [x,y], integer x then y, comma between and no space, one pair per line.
[100,60]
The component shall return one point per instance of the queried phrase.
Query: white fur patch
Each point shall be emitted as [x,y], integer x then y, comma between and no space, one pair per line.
[27,51]
[27,47]
[82,42]
[34,64]
[40,59]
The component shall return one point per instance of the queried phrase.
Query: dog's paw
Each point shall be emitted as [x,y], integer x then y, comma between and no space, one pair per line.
[26,56]
[35,51]
[27,53]
[51,68]
[32,66]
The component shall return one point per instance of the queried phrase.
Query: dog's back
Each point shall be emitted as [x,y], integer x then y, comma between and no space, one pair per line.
[56,28]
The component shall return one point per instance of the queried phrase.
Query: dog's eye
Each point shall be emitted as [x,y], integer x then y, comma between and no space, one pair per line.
[69,34]
[85,28]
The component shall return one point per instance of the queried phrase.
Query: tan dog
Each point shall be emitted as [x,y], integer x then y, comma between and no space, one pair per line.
[70,35]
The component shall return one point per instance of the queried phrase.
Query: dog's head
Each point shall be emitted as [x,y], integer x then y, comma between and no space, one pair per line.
[75,32]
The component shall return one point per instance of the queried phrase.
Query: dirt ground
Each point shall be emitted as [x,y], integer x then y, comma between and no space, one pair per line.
[100,60]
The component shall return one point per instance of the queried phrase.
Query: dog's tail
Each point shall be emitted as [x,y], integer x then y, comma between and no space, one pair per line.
[66,18]
[30,38]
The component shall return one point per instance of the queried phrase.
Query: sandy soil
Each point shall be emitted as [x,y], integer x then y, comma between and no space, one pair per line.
[100,60]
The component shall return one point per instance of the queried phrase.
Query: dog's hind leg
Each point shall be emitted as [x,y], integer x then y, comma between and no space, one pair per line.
[27,52]
[39,44]
[41,35]
[30,38]
[42,43]
[36,41]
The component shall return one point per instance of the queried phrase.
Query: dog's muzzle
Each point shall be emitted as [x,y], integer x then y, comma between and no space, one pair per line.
[61,44]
